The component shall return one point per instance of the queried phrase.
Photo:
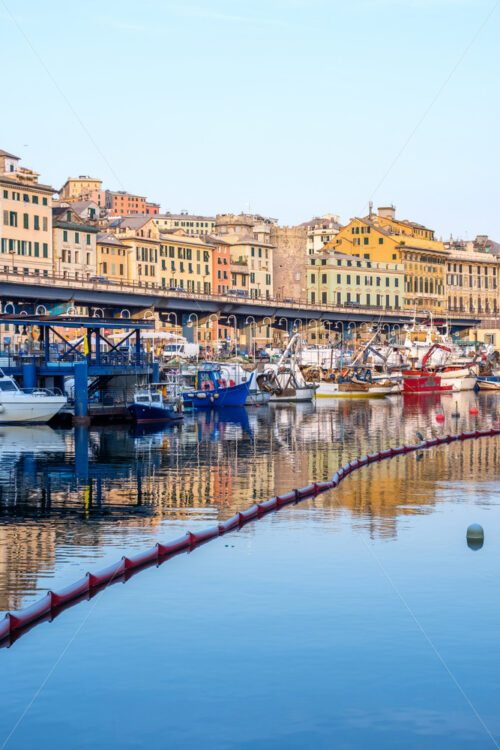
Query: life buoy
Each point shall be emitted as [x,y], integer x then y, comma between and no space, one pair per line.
[221,383]
[207,385]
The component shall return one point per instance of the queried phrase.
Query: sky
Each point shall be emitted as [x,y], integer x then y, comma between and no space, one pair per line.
[287,108]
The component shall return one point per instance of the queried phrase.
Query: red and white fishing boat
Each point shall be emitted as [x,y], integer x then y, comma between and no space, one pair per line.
[424,381]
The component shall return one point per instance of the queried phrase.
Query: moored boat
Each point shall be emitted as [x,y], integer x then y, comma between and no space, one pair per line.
[35,405]
[151,405]
[206,388]
[419,381]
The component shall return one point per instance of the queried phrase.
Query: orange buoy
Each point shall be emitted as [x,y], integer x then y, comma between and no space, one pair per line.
[473,411]
[439,417]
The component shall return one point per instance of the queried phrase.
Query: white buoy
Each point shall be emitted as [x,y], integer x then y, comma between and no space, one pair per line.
[475,536]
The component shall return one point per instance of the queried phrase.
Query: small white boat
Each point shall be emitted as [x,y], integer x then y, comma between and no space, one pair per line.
[488,385]
[349,390]
[34,405]
[463,379]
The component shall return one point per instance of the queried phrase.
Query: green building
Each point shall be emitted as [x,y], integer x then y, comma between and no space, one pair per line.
[337,279]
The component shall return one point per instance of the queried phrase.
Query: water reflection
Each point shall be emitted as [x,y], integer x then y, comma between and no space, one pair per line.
[69,497]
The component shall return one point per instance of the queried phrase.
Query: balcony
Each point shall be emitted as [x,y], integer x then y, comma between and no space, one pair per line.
[239,261]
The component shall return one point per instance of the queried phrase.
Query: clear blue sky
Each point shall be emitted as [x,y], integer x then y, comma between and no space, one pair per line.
[294,107]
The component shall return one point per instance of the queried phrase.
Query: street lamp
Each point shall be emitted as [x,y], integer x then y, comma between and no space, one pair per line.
[196,332]
[252,337]
[235,323]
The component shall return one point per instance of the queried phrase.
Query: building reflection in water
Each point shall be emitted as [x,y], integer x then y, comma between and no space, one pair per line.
[65,494]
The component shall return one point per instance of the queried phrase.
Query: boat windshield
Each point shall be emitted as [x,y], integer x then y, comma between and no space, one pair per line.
[7,385]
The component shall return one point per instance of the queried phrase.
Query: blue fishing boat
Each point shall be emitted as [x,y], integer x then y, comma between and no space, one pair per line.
[151,405]
[206,388]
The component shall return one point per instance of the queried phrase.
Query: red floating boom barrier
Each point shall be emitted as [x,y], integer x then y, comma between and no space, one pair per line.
[14,624]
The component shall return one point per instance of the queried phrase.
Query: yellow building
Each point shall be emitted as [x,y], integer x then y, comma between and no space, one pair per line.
[185,263]
[112,258]
[192,225]
[380,237]
[76,187]
[143,239]
[26,220]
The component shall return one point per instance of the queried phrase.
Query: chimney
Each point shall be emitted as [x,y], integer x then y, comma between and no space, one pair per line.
[370,209]
[387,212]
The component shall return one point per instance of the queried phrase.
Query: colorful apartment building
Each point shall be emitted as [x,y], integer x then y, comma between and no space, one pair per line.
[335,278]
[112,258]
[382,238]
[73,243]
[25,220]
[185,263]
[76,187]
[143,239]
[472,280]
[190,224]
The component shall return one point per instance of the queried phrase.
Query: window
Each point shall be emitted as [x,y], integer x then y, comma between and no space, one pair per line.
[13,219]
[45,250]
[366,240]
[35,199]
[324,298]
[77,237]
[323,278]
[44,201]
[37,249]
[339,298]
[36,224]
[26,221]
[45,224]
[88,239]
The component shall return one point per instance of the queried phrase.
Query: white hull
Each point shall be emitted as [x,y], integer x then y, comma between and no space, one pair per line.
[19,407]
[301,394]
[460,380]
[331,390]
[255,398]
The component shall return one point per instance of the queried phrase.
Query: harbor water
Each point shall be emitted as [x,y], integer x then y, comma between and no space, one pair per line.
[360,618]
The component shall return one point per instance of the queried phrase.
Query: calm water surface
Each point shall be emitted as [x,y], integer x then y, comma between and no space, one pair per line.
[357,619]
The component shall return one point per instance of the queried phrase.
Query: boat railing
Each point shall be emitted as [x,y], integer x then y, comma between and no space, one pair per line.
[48,392]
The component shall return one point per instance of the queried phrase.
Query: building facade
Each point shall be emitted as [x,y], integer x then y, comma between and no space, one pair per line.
[190,224]
[76,187]
[112,258]
[382,238]
[185,263]
[472,281]
[337,279]
[25,220]
[74,245]
[320,230]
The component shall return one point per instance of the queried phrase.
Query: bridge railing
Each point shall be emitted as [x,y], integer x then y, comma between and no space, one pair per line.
[147,288]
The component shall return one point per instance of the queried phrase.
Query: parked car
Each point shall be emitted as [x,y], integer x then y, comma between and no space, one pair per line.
[176,289]
[237,292]
[352,303]
[101,280]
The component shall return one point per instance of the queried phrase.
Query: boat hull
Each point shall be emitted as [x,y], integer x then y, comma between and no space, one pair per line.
[424,383]
[232,395]
[147,414]
[300,395]
[331,390]
[28,409]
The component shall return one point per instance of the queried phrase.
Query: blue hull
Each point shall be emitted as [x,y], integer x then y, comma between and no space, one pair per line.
[146,413]
[232,395]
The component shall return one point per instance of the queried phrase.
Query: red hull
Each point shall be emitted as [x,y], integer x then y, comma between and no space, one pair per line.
[423,382]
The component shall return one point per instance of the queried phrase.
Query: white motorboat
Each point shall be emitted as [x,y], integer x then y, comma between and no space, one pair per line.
[34,405]
[233,372]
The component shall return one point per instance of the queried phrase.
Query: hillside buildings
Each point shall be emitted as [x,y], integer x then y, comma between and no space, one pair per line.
[26,219]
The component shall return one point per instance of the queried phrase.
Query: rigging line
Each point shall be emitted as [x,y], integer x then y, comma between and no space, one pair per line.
[54,667]
[435,98]
[61,92]
[431,644]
